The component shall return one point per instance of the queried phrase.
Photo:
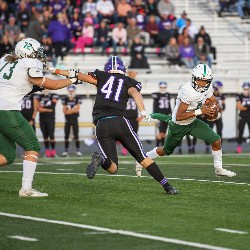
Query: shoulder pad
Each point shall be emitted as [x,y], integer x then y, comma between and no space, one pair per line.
[35,72]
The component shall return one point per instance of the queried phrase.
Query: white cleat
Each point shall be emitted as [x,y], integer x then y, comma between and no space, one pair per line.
[78,153]
[65,154]
[138,168]
[224,172]
[31,193]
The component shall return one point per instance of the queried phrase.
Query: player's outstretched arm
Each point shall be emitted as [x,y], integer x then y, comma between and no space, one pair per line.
[72,73]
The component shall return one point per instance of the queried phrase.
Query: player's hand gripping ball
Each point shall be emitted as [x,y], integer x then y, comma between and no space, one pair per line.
[212,106]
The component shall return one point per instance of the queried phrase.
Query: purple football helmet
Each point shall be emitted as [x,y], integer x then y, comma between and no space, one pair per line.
[246,85]
[115,65]
[217,85]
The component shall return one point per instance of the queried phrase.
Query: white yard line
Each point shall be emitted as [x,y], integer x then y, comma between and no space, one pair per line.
[18,237]
[133,176]
[121,232]
[230,231]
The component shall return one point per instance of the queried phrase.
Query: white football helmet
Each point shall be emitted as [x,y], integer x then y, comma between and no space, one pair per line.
[30,48]
[201,72]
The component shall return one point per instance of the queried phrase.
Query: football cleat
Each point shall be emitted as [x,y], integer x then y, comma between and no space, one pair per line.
[94,165]
[31,193]
[138,168]
[65,154]
[224,172]
[79,153]
[171,190]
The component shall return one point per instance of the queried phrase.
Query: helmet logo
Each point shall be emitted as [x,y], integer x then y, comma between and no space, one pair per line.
[27,46]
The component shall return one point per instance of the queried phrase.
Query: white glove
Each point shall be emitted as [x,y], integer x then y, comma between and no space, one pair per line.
[73,73]
[50,67]
[146,116]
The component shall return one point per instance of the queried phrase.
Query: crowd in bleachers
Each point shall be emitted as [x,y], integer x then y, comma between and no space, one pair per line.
[130,25]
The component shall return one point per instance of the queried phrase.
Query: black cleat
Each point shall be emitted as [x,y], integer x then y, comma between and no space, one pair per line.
[171,190]
[94,165]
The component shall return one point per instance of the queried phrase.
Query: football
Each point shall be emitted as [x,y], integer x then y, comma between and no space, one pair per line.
[212,106]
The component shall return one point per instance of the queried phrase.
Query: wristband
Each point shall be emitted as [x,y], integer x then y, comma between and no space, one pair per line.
[198,112]
[57,71]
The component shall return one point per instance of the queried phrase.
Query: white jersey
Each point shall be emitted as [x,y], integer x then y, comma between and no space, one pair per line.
[193,98]
[14,83]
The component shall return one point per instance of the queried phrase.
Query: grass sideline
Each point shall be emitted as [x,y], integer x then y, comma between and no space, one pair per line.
[126,202]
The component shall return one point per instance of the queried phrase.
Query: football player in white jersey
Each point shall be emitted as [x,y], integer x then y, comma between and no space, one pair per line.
[190,103]
[19,73]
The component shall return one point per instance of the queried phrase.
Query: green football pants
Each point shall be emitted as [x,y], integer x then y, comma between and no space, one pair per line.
[14,128]
[197,129]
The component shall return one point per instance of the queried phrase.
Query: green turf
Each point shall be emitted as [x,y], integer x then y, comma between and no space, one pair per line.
[126,203]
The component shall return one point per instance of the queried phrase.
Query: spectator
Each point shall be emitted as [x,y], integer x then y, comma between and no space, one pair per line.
[243,106]
[102,38]
[47,45]
[87,36]
[90,7]
[106,9]
[132,30]
[12,30]
[23,16]
[151,9]
[122,11]
[46,107]
[4,11]
[202,52]
[46,20]
[187,53]
[173,54]
[206,37]
[241,6]
[5,46]
[71,107]
[225,4]
[56,33]
[75,25]
[192,30]
[138,58]
[37,7]
[182,20]
[183,35]
[57,6]
[119,38]
[164,6]
[1,28]
[34,29]
[165,30]
[153,30]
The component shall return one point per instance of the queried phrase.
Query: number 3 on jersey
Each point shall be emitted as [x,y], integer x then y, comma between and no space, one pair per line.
[5,76]
[108,88]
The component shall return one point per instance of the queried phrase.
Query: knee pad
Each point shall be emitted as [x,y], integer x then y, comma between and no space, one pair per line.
[33,146]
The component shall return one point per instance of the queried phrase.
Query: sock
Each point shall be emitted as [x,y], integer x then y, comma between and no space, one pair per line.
[156,173]
[162,141]
[29,168]
[158,142]
[106,163]
[77,145]
[66,143]
[217,158]
[46,144]
[52,144]
[152,154]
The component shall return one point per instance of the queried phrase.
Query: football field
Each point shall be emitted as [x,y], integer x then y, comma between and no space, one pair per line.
[123,211]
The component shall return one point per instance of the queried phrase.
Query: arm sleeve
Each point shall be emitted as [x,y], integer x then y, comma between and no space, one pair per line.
[184,96]
[133,83]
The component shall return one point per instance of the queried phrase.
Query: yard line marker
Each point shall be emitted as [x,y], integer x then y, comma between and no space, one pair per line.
[66,169]
[121,232]
[18,237]
[230,231]
[132,176]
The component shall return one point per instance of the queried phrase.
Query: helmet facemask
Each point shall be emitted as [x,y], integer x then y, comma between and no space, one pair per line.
[199,88]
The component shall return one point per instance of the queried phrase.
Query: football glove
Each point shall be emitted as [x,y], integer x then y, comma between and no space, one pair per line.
[72,75]
[50,67]
[146,116]
[35,89]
